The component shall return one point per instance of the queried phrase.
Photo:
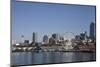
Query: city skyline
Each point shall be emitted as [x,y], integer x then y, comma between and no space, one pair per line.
[46,19]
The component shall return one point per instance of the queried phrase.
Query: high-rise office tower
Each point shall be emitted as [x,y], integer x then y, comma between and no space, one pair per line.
[45,39]
[55,36]
[34,37]
[92,30]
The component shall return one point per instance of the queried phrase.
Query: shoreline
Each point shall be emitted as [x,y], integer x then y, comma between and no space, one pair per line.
[59,51]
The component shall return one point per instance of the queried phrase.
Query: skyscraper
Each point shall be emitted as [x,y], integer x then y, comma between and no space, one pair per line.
[45,39]
[34,38]
[55,36]
[92,30]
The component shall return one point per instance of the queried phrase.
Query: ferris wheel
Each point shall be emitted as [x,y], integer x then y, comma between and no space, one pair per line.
[68,36]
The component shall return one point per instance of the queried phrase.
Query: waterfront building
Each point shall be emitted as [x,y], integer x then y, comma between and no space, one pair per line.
[45,39]
[92,30]
[61,38]
[52,41]
[83,36]
[77,37]
[26,42]
[34,37]
[55,36]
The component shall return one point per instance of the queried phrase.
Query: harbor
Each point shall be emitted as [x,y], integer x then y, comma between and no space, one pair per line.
[80,48]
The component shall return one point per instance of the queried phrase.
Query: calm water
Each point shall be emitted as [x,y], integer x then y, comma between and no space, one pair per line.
[24,58]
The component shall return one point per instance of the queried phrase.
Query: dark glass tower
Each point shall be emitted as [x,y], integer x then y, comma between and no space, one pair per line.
[34,37]
[92,30]
[45,39]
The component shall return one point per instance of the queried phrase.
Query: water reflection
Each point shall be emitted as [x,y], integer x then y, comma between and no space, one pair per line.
[24,58]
